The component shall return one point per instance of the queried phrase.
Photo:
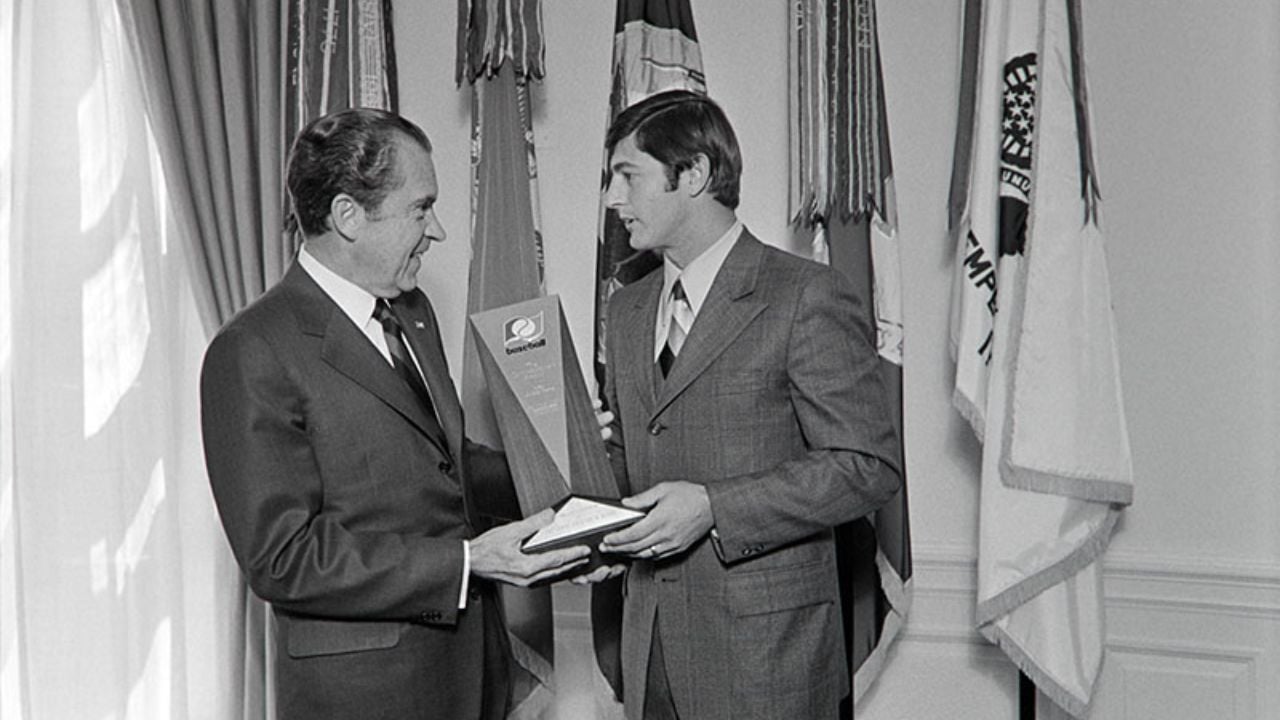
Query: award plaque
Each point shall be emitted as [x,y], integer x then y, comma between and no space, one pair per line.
[581,521]
[548,427]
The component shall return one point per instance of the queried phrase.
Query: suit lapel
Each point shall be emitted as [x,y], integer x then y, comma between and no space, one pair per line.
[728,309]
[635,337]
[346,349]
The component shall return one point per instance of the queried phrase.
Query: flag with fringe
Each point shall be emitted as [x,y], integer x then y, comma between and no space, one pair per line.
[842,204]
[499,52]
[1037,371]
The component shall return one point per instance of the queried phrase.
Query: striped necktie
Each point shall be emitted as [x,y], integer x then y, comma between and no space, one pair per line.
[678,328]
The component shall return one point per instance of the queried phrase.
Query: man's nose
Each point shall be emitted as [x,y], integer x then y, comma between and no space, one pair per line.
[434,231]
[613,192]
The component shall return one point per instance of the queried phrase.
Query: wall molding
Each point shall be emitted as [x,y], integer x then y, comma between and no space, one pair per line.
[1222,586]
[945,586]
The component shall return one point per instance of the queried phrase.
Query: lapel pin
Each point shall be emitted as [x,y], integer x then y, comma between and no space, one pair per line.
[419,324]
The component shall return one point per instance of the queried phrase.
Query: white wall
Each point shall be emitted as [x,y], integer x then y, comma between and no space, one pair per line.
[1185,102]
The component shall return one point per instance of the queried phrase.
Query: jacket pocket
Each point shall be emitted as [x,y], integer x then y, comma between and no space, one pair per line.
[782,588]
[308,637]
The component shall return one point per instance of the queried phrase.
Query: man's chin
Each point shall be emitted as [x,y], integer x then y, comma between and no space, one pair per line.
[408,280]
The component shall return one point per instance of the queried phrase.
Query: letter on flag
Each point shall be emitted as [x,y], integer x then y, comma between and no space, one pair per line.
[1034,343]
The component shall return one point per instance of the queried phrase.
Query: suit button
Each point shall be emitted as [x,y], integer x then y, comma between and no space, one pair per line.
[656,428]
[446,467]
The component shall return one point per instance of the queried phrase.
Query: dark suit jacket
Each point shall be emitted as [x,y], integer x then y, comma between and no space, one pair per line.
[345,515]
[776,405]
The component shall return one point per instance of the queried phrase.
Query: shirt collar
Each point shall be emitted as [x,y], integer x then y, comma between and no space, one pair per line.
[697,276]
[355,302]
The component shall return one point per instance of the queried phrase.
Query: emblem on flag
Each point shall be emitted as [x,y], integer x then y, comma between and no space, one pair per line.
[1017,127]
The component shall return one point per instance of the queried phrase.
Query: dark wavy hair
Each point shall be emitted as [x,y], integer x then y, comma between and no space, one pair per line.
[674,127]
[350,151]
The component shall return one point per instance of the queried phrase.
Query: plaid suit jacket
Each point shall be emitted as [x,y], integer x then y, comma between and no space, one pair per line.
[776,406]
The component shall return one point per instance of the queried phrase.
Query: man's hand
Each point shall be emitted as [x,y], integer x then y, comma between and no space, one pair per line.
[600,574]
[679,514]
[496,554]
[604,418]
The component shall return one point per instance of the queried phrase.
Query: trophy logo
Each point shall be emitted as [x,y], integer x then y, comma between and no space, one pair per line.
[522,333]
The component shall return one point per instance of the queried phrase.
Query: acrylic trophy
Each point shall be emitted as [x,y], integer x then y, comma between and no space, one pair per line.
[548,427]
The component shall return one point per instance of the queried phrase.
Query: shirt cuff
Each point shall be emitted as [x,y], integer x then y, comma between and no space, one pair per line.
[466,574]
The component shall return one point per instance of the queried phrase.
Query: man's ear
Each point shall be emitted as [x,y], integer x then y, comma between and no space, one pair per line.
[347,216]
[697,178]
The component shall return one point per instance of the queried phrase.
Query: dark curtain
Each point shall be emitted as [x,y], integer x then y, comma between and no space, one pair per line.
[212,69]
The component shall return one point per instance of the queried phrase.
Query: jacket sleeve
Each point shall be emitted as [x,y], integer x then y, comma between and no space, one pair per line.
[848,468]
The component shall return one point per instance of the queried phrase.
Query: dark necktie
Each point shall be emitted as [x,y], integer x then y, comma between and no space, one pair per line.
[678,327]
[403,363]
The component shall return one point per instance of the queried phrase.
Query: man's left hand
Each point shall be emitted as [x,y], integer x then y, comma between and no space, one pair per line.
[679,513]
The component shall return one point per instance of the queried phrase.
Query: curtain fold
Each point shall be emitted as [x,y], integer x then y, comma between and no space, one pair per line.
[112,566]
[213,73]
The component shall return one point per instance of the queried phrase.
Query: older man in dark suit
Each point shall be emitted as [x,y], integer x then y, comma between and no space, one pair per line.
[335,448]
[750,421]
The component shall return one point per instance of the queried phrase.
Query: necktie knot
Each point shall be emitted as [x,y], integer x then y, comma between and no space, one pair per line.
[681,315]
[382,313]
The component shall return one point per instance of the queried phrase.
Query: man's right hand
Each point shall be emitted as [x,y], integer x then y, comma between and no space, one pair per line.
[496,554]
